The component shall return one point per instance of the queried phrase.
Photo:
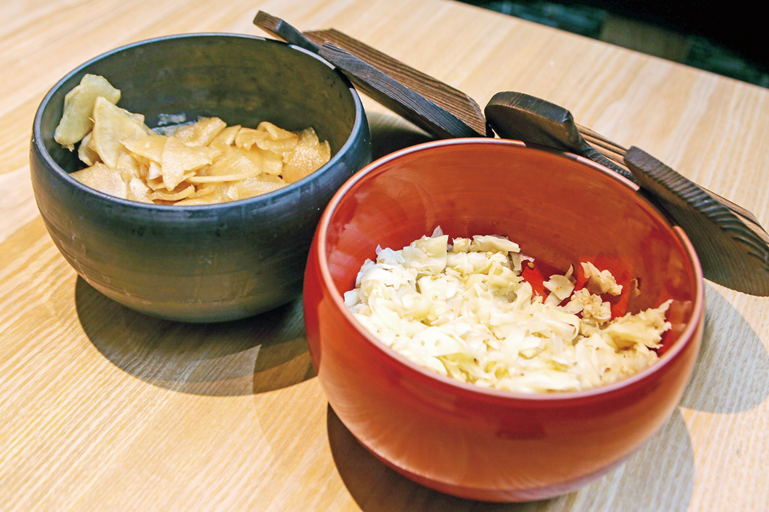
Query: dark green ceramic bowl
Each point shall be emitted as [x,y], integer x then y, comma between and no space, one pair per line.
[214,262]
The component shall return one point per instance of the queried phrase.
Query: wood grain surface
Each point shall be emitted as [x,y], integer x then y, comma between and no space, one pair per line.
[105,409]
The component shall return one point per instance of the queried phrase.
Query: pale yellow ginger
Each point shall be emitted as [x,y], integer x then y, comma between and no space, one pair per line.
[194,164]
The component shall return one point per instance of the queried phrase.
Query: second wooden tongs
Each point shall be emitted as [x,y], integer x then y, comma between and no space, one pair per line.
[732,246]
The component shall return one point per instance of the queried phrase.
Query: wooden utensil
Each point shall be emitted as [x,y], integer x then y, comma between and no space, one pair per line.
[732,249]
[282,30]
[732,245]
[519,116]
[447,113]
[446,97]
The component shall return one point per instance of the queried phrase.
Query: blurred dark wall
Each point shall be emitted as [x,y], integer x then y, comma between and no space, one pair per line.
[732,24]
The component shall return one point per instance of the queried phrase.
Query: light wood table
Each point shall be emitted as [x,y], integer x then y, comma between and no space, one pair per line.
[102,408]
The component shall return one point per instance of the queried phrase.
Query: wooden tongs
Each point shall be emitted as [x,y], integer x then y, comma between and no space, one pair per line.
[732,246]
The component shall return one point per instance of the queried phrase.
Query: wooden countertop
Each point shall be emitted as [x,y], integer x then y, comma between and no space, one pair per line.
[106,409]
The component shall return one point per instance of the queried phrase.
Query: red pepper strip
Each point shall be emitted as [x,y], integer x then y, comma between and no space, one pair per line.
[581,278]
[537,276]
[534,277]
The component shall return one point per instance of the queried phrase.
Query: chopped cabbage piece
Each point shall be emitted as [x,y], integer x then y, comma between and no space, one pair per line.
[600,281]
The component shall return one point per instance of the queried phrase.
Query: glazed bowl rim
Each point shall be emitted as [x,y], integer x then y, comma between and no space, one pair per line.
[683,339]
[359,126]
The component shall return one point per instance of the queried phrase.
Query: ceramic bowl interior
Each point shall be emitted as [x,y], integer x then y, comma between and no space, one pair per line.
[202,263]
[561,209]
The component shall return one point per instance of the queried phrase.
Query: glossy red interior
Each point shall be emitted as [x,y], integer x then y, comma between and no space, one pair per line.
[479,443]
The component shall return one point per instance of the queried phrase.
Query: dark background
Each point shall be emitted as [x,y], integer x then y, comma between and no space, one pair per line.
[725,37]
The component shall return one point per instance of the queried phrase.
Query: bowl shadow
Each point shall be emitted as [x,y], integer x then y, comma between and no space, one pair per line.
[253,355]
[732,370]
[638,485]
[390,133]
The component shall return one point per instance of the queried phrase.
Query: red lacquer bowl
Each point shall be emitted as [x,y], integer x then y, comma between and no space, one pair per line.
[474,442]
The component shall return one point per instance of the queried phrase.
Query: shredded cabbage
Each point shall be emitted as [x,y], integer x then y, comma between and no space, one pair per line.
[464,311]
